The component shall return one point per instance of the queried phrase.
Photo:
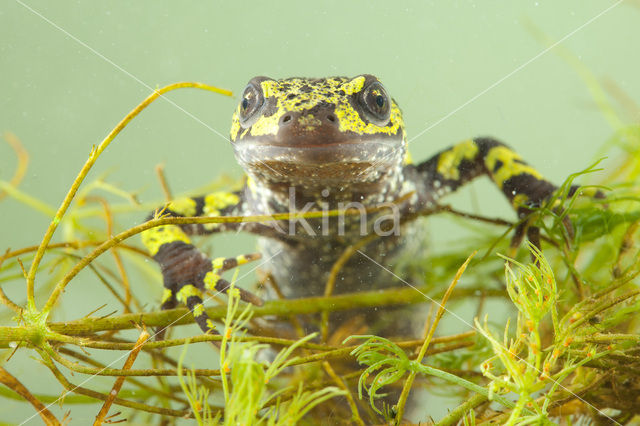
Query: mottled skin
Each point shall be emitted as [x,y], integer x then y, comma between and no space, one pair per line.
[325,143]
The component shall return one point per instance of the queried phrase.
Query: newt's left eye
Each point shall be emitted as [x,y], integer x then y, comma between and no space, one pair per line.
[250,105]
[376,103]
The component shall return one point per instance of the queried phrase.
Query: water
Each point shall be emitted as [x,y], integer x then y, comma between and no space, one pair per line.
[459,69]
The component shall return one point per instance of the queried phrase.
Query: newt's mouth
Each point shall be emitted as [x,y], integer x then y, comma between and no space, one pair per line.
[322,164]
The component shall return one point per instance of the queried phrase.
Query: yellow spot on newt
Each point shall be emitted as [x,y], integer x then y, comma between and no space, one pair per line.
[166,295]
[188,291]
[220,200]
[511,165]
[183,206]
[210,280]
[251,184]
[520,200]
[215,202]
[449,161]
[235,127]
[198,310]
[154,238]
[407,158]
[217,263]
[211,325]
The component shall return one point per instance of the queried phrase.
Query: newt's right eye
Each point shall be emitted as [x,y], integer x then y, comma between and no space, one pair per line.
[250,105]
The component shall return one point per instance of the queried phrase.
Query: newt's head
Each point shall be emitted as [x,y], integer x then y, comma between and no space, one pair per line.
[318,132]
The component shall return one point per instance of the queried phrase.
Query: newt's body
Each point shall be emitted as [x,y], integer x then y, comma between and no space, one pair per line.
[323,144]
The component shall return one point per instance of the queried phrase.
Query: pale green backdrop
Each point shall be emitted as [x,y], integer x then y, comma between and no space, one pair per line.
[69,71]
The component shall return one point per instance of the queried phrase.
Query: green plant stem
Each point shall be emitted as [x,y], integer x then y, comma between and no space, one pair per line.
[282,308]
[70,387]
[50,399]
[100,371]
[12,382]
[457,413]
[93,157]
[4,299]
[131,380]
[274,341]
[355,416]
[515,413]
[74,245]
[344,353]
[607,338]
[423,350]
[20,334]
[602,307]
[451,378]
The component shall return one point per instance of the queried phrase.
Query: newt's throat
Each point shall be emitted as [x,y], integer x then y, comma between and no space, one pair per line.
[323,165]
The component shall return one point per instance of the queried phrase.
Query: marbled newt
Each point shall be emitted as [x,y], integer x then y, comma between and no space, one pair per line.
[326,143]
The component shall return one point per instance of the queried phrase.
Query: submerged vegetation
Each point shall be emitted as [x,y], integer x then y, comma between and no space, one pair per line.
[569,351]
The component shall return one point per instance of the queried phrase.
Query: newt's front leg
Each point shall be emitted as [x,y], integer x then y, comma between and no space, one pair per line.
[524,186]
[187,273]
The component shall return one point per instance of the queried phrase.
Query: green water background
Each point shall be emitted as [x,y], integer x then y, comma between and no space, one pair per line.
[71,70]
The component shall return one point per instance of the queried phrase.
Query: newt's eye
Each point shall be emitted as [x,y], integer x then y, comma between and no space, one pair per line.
[377,105]
[251,104]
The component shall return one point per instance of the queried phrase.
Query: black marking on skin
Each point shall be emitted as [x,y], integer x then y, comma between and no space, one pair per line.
[222,285]
[269,108]
[199,205]
[485,144]
[537,190]
[229,263]
[497,166]
[170,303]
[321,108]
[193,300]
[201,320]
[469,169]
